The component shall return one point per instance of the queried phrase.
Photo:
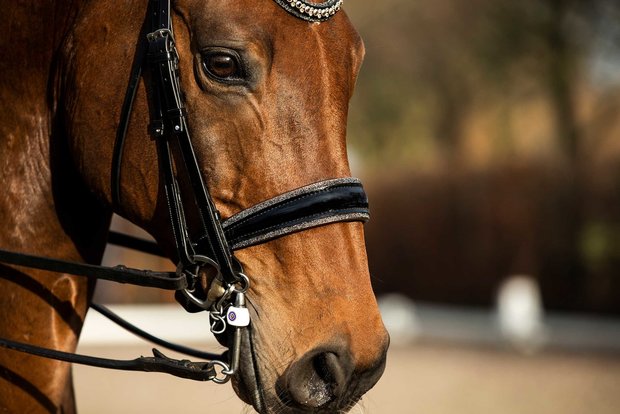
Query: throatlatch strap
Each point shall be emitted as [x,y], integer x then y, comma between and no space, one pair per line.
[126,109]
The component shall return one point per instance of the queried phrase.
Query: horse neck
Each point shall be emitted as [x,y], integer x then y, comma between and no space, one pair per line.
[45,209]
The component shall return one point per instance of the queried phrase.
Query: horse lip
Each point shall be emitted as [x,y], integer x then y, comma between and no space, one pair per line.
[248,384]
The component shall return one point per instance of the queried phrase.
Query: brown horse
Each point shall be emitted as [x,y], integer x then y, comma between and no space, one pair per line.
[266,97]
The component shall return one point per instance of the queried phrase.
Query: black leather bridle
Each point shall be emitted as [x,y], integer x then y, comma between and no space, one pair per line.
[209,242]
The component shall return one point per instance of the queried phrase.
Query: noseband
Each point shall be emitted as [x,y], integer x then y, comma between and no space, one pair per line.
[207,243]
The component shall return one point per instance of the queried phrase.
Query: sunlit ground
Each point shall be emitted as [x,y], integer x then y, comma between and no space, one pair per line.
[454,362]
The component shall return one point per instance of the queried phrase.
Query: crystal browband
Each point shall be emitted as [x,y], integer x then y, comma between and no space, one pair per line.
[312,12]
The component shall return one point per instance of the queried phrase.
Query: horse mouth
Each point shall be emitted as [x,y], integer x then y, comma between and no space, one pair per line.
[249,387]
[248,383]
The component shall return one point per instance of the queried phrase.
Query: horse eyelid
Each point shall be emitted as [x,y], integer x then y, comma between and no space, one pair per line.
[243,72]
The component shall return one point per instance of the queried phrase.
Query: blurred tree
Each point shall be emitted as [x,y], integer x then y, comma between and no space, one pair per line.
[434,66]
[485,88]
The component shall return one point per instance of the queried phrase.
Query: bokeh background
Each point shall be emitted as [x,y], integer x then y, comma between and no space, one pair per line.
[487,133]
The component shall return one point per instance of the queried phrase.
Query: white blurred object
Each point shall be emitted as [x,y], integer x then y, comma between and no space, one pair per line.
[520,313]
[168,321]
[400,319]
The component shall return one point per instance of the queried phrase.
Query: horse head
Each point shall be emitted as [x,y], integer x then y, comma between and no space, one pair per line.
[266,97]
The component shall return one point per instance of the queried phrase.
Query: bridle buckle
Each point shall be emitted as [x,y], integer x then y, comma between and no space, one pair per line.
[158,34]
[192,273]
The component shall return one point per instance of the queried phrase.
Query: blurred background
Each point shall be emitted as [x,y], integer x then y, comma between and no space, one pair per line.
[487,133]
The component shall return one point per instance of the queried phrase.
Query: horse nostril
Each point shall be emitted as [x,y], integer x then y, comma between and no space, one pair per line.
[318,378]
[331,371]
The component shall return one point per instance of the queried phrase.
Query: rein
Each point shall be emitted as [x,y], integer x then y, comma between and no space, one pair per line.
[209,244]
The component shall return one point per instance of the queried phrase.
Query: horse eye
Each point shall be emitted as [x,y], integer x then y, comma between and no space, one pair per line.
[222,66]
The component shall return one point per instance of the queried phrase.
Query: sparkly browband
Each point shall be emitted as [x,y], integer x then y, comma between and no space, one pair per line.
[312,12]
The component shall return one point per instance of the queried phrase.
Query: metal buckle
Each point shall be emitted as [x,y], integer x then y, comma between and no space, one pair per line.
[158,34]
[217,311]
[198,261]
[156,128]
[231,368]
[225,369]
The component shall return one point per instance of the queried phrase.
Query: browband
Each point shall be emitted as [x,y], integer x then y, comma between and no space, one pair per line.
[310,10]
[324,202]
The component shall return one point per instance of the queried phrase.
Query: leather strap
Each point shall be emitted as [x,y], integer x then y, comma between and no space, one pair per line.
[199,371]
[169,125]
[330,201]
[324,202]
[119,274]
[126,110]
[151,338]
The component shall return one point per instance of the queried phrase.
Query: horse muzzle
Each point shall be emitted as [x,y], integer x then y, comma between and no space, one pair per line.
[325,379]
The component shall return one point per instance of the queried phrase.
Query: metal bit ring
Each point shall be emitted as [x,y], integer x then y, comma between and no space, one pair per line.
[199,261]
[225,369]
[243,282]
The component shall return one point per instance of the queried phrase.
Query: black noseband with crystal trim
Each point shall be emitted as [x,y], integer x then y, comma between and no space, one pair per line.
[330,201]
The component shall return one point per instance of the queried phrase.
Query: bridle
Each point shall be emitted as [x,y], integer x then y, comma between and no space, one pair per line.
[208,242]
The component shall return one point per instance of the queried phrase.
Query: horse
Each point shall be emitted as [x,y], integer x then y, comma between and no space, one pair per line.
[265,86]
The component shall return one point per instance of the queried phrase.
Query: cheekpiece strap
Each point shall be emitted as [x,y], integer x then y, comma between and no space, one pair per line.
[310,11]
[330,201]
